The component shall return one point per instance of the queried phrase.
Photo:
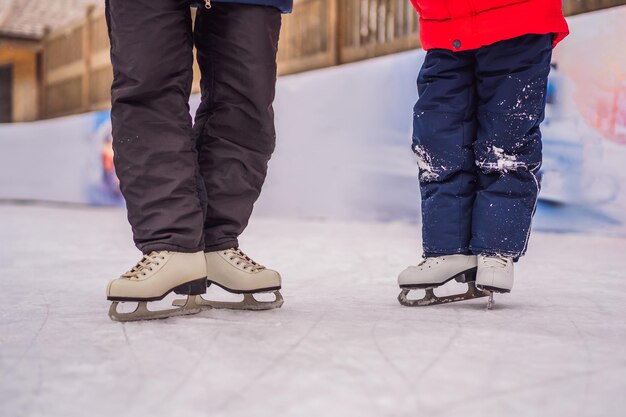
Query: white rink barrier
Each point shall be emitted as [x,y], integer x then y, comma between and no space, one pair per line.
[344,136]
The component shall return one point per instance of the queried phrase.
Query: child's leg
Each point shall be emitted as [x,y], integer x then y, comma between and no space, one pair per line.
[237,47]
[444,128]
[512,80]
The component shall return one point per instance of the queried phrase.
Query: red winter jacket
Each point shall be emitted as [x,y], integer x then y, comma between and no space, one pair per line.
[460,25]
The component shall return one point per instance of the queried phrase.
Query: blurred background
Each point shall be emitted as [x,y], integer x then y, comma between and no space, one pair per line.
[345,94]
[54,55]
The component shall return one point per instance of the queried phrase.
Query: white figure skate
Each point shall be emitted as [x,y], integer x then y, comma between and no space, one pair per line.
[235,272]
[495,274]
[155,276]
[434,272]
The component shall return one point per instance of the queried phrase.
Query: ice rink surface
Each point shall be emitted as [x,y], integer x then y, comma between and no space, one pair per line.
[340,346]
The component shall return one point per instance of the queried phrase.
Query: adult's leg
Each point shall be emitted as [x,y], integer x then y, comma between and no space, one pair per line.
[444,129]
[237,46]
[512,83]
[155,156]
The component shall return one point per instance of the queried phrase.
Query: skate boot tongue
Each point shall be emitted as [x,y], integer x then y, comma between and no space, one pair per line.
[429,261]
[496,261]
[241,259]
[144,264]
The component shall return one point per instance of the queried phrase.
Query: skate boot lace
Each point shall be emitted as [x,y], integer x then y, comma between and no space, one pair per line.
[430,261]
[144,265]
[241,259]
[495,261]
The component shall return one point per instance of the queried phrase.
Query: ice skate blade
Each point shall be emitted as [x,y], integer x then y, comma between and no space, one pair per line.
[493,289]
[248,303]
[187,307]
[431,299]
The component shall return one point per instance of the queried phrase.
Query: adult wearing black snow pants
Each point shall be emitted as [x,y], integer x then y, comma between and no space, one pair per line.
[191,189]
[478,143]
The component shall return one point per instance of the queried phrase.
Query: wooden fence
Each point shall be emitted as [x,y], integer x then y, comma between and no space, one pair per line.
[323,33]
[76,71]
[76,75]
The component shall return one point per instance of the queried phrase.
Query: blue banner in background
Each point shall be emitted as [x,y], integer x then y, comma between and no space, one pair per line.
[104,186]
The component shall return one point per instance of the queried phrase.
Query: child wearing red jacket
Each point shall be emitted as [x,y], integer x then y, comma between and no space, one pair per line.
[482,94]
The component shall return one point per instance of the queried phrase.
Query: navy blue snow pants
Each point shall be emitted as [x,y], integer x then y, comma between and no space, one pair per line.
[478,145]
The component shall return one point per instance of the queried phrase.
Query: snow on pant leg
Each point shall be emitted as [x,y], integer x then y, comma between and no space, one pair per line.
[237,46]
[155,156]
[444,129]
[512,83]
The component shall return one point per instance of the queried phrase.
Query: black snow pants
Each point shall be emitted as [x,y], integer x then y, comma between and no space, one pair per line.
[478,144]
[191,188]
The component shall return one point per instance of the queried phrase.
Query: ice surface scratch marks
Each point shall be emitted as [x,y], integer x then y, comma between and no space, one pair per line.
[433,362]
[133,397]
[519,389]
[271,365]
[386,358]
[32,341]
[188,375]
[538,356]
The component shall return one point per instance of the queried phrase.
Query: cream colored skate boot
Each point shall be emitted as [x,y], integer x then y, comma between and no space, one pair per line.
[156,275]
[235,272]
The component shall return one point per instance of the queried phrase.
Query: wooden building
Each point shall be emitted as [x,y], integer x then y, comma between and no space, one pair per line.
[23,25]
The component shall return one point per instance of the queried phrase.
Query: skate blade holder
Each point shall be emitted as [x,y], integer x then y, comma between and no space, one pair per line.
[141,312]
[490,302]
[248,302]
[430,298]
